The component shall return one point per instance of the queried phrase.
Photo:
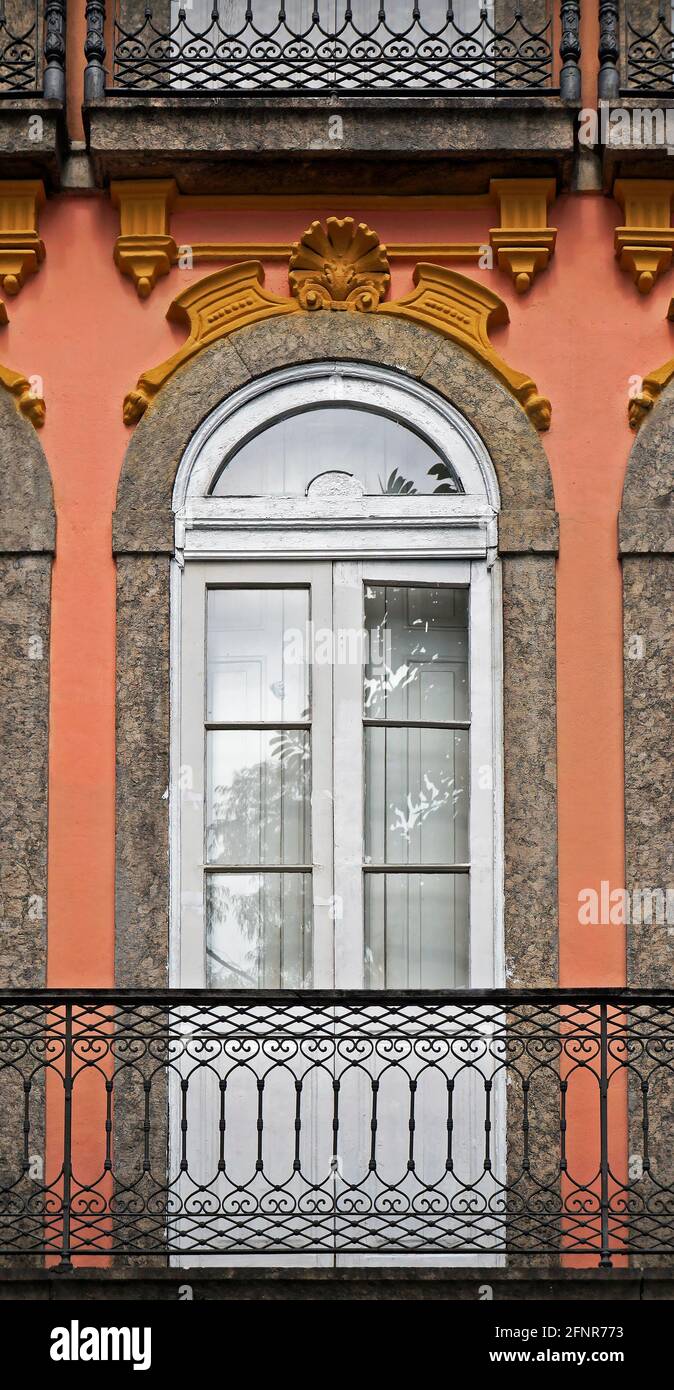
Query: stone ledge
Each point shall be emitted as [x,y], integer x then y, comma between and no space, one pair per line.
[549,1284]
[22,157]
[528,532]
[440,144]
[638,159]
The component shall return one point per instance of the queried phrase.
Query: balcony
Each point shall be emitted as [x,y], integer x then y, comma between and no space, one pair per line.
[637,75]
[228,93]
[32,88]
[326,1127]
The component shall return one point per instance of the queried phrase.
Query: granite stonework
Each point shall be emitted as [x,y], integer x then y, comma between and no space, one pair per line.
[637,150]
[530,771]
[22,155]
[646,542]
[143,542]
[647,550]
[24,739]
[26,545]
[648,598]
[434,144]
[142,862]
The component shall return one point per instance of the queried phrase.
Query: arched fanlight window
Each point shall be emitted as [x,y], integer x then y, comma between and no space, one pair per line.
[379,452]
[330,430]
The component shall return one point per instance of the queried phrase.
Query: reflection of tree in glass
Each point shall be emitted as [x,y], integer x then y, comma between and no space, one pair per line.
[251,812]
[386,681]
[429,800]
[258,819]
[398,486]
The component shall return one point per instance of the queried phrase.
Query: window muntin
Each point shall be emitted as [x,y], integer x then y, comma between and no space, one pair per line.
[386,457]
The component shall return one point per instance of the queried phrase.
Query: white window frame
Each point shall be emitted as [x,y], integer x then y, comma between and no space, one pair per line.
[458,530]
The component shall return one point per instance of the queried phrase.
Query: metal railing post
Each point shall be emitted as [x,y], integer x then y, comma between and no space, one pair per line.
[569,51]
[94,48]
[609,50]
[54,86]
[605,1260]
[65,1263]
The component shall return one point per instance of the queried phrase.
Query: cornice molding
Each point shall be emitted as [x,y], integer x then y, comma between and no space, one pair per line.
[346,270]
[145,249]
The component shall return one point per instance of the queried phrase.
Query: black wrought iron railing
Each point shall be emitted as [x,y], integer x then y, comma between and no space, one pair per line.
[509,47]
[32,48]
[640,47]
[500,1124]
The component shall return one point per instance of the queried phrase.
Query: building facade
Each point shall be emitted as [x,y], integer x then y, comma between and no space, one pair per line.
[336,876]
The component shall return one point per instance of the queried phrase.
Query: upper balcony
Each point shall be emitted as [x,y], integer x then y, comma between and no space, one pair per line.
[32,87]
[637,83]
[233,93]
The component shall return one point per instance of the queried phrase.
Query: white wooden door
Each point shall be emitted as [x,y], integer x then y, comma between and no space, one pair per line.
[337,829]
[256,906]
[414,864]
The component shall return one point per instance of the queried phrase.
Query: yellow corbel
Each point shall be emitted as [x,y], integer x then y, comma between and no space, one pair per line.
[144,249]
[523,243]
[644,245]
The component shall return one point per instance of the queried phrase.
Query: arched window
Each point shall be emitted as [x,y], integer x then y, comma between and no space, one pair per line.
[336,717]
[294,455]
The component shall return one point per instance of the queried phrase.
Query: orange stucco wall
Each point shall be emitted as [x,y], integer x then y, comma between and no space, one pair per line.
[582,333]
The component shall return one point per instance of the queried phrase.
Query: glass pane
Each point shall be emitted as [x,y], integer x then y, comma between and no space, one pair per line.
[257,655]
[417,665]
[416,796]
[258,931]
[383,454]
[416,931]
[257,797]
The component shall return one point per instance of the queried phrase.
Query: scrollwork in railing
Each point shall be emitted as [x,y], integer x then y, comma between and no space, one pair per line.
[333,1123]
[403,45]
[20,56]
[649,49]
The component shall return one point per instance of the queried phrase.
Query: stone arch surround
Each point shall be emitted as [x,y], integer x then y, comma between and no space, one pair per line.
[143,541]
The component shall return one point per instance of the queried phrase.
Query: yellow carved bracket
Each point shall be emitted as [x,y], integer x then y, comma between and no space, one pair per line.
[651,386]
[449,303]
[463,310]
[523,243]
[30,405]
[644,245]
[210,309]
